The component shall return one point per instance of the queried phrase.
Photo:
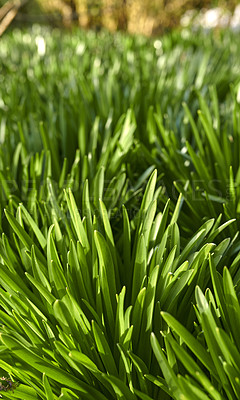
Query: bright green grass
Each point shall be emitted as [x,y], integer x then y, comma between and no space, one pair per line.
[119,197]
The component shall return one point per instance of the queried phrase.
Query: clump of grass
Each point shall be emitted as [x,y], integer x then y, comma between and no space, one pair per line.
[80,307]
[106,243]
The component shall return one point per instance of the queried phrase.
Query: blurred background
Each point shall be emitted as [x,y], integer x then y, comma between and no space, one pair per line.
[148,17]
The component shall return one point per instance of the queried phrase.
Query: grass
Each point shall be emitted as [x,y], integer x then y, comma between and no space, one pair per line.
[119,248]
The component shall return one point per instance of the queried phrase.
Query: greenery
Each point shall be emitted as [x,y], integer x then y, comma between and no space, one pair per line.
[120,203]
[134,16]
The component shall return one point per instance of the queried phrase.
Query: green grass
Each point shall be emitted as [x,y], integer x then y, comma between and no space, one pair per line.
[120,203]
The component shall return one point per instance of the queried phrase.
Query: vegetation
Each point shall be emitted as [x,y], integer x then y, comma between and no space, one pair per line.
[135,16]
[120,202]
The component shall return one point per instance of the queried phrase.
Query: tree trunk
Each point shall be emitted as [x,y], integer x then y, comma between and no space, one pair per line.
[74,10]
[122,18]
[8,12]
[94,10]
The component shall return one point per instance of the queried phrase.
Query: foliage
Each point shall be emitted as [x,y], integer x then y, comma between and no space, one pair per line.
[119,175]
[135,16]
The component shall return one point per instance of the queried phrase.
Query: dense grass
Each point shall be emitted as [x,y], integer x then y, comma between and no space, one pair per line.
[120,203]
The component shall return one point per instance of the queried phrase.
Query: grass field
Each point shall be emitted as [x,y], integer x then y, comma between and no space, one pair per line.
[120,204]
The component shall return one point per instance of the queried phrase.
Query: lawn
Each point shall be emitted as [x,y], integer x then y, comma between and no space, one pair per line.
[120,205]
